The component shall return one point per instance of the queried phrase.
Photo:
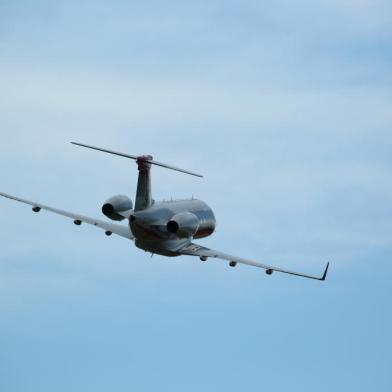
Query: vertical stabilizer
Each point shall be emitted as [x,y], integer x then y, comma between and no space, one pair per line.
[143,192]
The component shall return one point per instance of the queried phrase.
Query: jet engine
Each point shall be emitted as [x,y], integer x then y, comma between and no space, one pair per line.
[183,224]
[115,207]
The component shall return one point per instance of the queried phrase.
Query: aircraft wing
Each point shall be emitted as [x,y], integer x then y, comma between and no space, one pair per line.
[120,230]
[201,251]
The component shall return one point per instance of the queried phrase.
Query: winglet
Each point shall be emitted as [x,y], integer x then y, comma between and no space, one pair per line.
[325,272]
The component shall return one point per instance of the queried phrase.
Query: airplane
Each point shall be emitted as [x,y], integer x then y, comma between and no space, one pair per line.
[166,228]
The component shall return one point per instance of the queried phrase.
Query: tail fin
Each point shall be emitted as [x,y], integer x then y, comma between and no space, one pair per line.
[143,192]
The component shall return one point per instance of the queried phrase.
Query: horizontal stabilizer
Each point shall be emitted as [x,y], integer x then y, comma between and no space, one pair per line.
[153,162]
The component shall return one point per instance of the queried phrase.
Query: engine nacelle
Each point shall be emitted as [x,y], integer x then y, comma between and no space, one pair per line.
[115,206]
[184,224]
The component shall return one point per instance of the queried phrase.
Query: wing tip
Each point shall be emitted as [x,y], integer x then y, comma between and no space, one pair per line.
[325,272]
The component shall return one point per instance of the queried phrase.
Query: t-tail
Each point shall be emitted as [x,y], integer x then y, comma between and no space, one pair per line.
[143,193]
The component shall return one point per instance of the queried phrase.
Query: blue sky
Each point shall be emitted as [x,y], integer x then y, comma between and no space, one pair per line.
[285,106]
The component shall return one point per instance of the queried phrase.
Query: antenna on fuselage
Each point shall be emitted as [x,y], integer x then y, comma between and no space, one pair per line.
[137,158]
